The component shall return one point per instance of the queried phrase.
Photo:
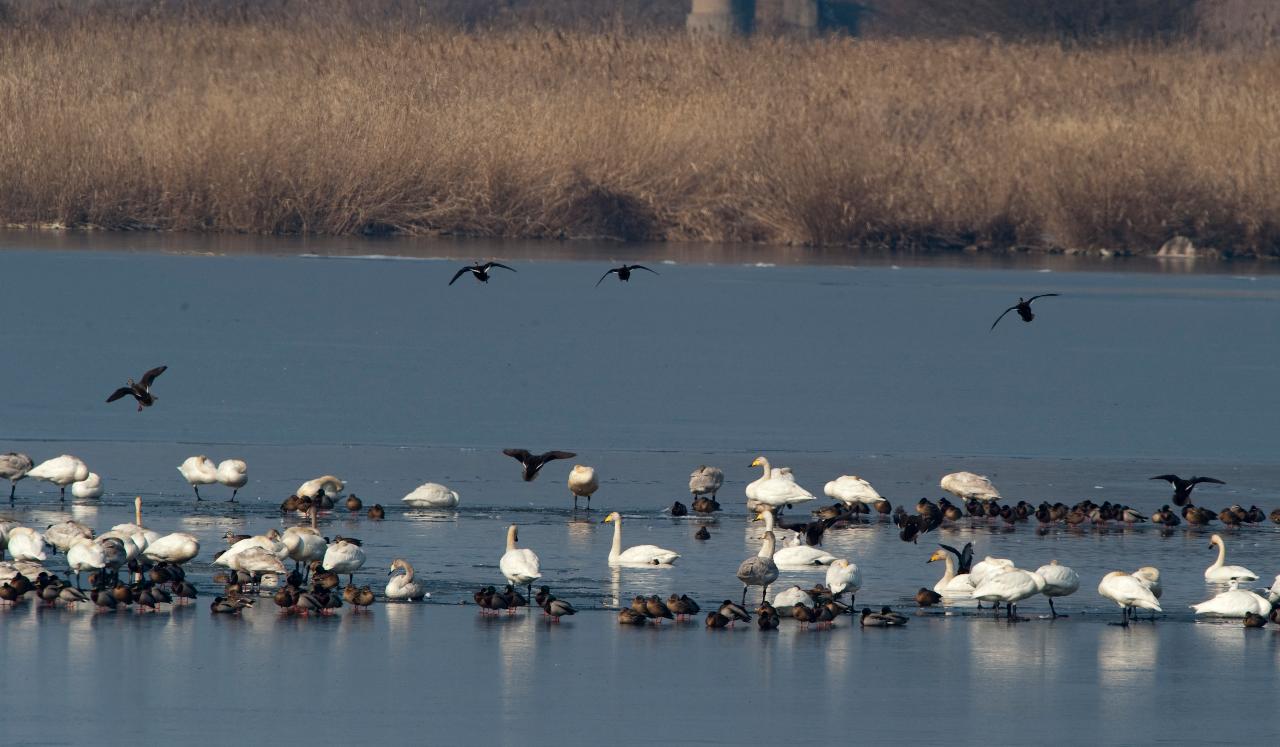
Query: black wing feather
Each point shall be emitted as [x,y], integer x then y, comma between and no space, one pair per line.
[1042,295]
[602,277]
[642,267]
[151,375]
[459,274]
[997,321]
[1166,478]
[488,265]
[1197,480]
[123,391]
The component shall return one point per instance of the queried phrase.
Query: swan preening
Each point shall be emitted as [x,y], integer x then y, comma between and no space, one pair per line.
[1234,603]
[774,489]
[403,587]
[1009,586]
[1129,592]
[14,467]
[703,481]
[329,485]
[432,495]
[1220,572]
[639,554]
[851,489]
[198,470]
[61,471]
[583,484]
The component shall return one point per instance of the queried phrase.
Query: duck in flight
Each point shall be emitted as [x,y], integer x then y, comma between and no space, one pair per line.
[624,273]
[481,271]
[1182,488]
[139,390]
[532,463]
[1023,307]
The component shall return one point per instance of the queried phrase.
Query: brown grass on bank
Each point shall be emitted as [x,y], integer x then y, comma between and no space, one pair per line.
[315,128]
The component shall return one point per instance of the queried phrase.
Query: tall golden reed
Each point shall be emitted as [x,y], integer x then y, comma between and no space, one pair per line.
[264,128]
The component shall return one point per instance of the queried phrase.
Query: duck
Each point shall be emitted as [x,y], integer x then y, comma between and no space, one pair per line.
[1220,572]
[363,598]
[639,554]
[682,606]
[198,470]
[353,503]
[851,489]
[703,481]
[759,570]
[1234,603]
[376,512]
[623,273]
[88,488]
[1010,586]
[1182,488]
[582,484]
[234,474]
[343,556]
[715,620]
[1254,620]
[767,621]
[479,270]
[431,495]
[61,471]
[967,485]
[705,505]
[557,608]
[951,583]
[403,587]
[733,612]
[844,576]
[519,565]
[532,464]
[679,509]
[802,613]
[871,619]
[927,597]
[702,534]
[14,466]
[140,390]
[1059,581]
[628,616]
[1023,307]
[1129,592]
[656,610]
[799,556]
[774,490]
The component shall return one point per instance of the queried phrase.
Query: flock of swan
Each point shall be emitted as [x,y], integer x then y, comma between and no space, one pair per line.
[130,563]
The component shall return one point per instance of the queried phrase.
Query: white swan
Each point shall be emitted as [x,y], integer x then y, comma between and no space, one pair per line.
[198,470]
[987,566]
[851,489]
[403,587]
[1010,586]
[966,485]
[706,481]
[1128,592]
[786,600]
[432,495]
[138,534]
[519,564]
[27,544]
[342,556]
[1059,581]
[583,483]
[234,474]
[1234,603]
[85,555]
[64,534]
[14,467]
[951,584]
[61,471]
[176,548]
[90,487]
[639,554]
[255,560]
[1220,572]
[759,570]
[327,484]
[269,542]
[776,490]
[798,556]
[844,576]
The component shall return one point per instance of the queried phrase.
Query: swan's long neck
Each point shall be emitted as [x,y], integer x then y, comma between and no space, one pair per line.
[766,550]
[408,571]
[511,538]
[617,539]
[137,510]
[768,520]
[1222,555]
[765,464]
[951,568]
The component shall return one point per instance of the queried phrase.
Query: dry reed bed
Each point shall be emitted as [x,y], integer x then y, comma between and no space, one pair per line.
[251,128]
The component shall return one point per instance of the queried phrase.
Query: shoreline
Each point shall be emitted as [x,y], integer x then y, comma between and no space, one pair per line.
[469,248]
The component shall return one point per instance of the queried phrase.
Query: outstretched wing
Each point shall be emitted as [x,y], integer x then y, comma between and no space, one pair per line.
[151,375]
[1166,478]
[520,454]
[488,265]
[642,267]
[459,274]
[1196,480]
[1042,295]
[123,391]
[997,321]
[602,277]
[558,455]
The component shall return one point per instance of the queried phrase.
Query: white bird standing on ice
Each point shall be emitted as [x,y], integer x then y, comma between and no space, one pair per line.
[199,470]
[851,489]
[583,484]
[519,564]
[1128,592]
[1059,581]
[966,485]
[61,471]
[233,473]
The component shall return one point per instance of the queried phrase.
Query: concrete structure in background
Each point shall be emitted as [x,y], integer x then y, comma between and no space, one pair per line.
[772,17]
